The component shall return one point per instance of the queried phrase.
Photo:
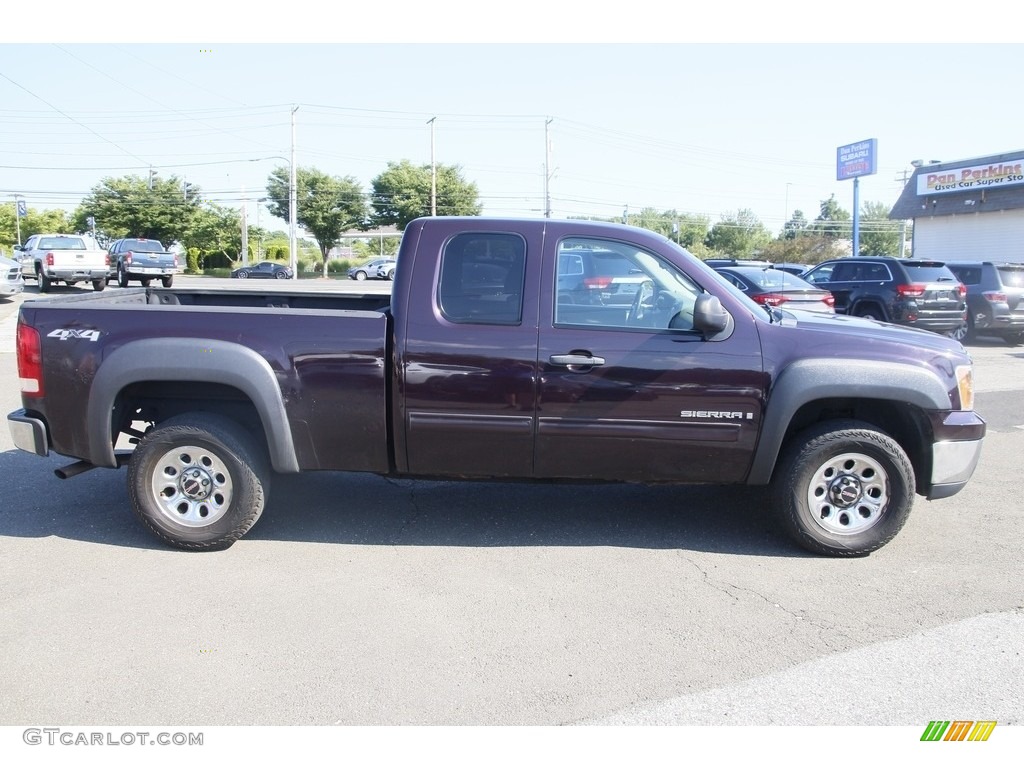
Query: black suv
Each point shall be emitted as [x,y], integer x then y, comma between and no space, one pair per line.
[914,292]
[995,299]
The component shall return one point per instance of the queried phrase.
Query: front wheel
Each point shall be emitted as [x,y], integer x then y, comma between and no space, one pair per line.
[360,275]
[198,481]
[843,488]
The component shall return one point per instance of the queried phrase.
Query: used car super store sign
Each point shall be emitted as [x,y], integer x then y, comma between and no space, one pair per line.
[971,177]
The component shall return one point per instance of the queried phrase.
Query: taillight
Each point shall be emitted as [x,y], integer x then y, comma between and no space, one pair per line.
[995,296]
[30,363]
[128,257]
[600,283]
[911,291]
[49,259]
[962,290]
[830,300]
[106,259]
[770,299]
[175,261]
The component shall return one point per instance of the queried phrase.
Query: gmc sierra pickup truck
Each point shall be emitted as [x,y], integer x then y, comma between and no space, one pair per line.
[68,258]
[480,365]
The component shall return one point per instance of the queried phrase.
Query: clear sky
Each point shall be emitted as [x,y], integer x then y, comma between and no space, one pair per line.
[672,123]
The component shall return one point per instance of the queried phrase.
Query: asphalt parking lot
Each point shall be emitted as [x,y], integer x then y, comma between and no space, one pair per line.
[360,600]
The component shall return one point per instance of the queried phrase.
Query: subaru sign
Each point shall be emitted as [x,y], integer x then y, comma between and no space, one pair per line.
[860,159]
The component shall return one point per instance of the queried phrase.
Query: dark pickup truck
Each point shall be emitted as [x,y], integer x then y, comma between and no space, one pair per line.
[478,366]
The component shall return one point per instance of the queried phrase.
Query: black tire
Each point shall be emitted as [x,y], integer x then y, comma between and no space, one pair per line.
[195,467]
[870,312]
[167,280]
[243,275]
[145,281]
[45,283]
[391,274]
[843,488]
[99,285]
[1013,338]
[360,275]
[122,276]
[282,275]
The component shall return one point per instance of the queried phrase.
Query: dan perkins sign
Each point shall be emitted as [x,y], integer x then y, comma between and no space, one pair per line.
[972,177]
[860,159]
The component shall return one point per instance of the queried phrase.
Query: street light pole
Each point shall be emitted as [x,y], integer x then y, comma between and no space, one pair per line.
[433,171]
[292,209]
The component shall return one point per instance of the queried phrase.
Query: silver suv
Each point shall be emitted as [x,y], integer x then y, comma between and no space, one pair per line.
[995,299]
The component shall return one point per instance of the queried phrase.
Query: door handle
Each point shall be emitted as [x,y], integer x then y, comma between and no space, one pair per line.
[573,360]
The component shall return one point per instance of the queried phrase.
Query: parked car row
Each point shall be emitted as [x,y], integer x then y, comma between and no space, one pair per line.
[378,269]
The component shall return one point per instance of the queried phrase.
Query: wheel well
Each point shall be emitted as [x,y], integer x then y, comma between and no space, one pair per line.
[154,402]
[861,306]
[905,423]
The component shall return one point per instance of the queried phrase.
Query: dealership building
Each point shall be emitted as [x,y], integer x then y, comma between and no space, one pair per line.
[969,209]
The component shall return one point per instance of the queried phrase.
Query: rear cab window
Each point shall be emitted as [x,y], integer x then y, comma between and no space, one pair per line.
[482,278]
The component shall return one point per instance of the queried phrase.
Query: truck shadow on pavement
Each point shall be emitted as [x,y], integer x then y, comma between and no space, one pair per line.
[360,509]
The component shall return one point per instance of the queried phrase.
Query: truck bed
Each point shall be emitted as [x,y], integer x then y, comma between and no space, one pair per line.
[236,299]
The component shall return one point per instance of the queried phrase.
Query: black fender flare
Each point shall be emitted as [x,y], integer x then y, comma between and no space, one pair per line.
[187,359]
[808,380]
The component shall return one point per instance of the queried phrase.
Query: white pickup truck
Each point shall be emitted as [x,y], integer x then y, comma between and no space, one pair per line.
[67,258]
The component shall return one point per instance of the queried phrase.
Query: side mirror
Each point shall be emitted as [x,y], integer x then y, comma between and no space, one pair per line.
[18,248]
[709,316]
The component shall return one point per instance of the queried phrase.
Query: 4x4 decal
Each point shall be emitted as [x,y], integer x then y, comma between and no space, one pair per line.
[73,333]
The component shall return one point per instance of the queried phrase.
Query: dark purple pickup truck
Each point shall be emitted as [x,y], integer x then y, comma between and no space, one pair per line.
[536,349]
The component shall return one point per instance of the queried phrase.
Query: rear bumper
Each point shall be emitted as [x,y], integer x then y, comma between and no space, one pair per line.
[29,434]
[149,271]
[100,273]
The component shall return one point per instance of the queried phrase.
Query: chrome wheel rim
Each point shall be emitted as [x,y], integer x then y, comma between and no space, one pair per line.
[848,494]
[191,486]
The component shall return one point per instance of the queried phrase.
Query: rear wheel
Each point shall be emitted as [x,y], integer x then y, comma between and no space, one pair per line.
[198,481]
[843,488]
[43,280]
[1013,338]
[870,312]
[282,275]
[965,332]
[167,280]
[145,281]
[99,285]
[122,276]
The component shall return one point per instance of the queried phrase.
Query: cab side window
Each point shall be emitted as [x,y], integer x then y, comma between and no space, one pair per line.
[482,279]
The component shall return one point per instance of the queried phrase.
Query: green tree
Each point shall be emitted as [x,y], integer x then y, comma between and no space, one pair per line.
[326,206]
[738,234]
[402,193]
[878,234]
[833,221]
[795,226]
[215,229]
[34,223]
[131,206]
[808,248]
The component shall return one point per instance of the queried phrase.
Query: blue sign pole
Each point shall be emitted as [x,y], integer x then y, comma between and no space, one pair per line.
[856,216]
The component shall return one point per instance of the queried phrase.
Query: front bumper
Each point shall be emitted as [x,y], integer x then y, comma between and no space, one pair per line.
[29,434]
[10,289]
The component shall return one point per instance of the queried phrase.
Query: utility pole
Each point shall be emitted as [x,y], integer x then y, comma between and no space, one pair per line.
[547,169]
[433,170]
[903,222]
[293,256]
[245,231]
